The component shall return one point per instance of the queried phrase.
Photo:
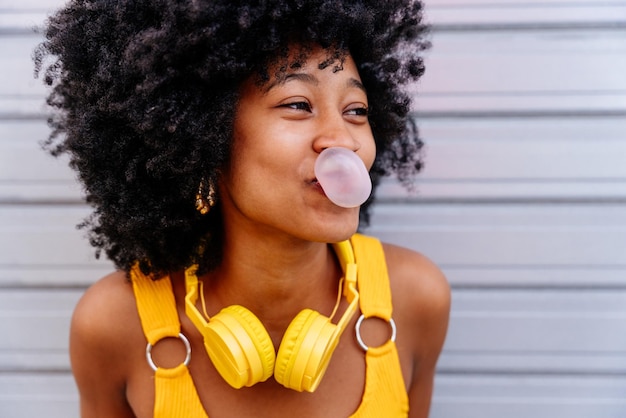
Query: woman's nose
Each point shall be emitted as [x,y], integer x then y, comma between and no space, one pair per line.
[334,131]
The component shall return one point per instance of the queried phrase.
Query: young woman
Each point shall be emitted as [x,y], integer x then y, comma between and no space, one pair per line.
[243,290]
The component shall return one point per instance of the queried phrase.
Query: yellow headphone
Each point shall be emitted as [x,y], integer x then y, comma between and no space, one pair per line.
[242,350]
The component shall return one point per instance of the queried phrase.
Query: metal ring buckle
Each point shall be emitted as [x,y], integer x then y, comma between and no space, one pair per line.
[359,339]
[185,341]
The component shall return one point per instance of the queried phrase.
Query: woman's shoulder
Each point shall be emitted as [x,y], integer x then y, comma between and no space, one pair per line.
[104,336]
[420,291]
[105,319]
[105,303]
[411,270]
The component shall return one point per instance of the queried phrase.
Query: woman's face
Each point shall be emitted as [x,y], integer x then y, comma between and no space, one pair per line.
[280,129]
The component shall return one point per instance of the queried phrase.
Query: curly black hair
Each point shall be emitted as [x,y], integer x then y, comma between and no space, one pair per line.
[144,93]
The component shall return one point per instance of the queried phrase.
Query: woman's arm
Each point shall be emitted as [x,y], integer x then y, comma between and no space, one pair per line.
[435,308]
[98,342]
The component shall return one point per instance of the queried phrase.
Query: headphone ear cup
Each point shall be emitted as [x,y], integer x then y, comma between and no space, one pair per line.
[305,351]
[239,347]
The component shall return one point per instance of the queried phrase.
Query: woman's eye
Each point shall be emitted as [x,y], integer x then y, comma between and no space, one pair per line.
[298,106]
[359,111]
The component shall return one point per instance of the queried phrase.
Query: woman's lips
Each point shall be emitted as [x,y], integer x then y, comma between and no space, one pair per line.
[317,186]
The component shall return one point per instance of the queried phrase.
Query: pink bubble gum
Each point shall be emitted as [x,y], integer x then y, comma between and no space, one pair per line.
[343,176]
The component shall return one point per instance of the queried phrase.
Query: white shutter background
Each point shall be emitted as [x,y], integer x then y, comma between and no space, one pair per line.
[522,203]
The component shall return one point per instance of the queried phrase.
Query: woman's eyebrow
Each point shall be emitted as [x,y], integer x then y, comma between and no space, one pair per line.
[353,82]
[304,77]
[311,79]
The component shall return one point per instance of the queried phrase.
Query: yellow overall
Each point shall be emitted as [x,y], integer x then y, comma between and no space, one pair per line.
[384,395]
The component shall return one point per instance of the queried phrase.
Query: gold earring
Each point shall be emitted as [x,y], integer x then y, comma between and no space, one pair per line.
[204,203]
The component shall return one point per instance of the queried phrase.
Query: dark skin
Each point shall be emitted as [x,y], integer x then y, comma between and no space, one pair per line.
[277,224]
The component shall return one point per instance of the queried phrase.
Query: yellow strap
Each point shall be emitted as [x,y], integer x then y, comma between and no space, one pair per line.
[385,392]
[156,306]
[373,277]
[176,395]
[174,391]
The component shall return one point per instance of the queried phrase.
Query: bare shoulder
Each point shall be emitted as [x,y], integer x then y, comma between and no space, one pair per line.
[104,328]
[105,319]
[415,278]
[104,307]
[421,295]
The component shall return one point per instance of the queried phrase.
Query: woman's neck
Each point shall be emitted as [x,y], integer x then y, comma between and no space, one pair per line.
[274,278]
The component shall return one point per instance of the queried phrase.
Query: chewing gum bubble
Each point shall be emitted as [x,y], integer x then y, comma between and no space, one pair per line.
[343,177]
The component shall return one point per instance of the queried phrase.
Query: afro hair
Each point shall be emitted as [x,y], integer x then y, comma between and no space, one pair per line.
[144,92]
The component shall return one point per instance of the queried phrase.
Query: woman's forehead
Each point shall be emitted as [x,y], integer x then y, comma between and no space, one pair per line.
[296,57]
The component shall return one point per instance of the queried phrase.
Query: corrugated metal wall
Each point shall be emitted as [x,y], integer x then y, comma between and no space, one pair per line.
[522,203]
